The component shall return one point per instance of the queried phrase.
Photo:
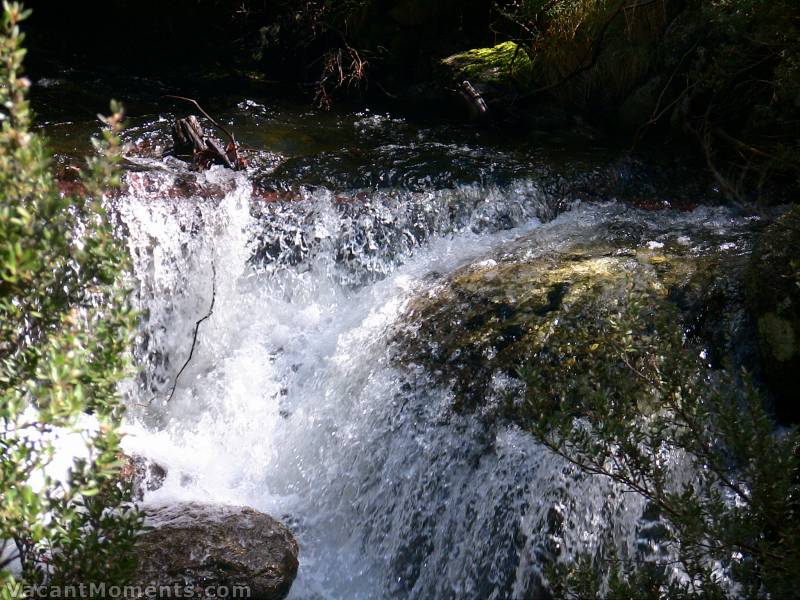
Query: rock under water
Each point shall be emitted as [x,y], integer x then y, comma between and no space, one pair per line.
[494,316]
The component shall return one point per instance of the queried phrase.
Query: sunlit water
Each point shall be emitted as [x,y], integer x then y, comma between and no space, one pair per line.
[294,401]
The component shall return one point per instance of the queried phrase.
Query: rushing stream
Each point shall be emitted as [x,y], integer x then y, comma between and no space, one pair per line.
[293,401]
[292,404]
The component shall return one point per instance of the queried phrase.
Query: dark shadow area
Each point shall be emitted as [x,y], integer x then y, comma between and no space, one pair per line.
[141,37]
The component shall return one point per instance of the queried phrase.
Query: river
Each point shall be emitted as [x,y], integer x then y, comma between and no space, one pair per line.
[299,271]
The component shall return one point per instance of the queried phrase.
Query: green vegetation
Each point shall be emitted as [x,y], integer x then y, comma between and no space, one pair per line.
[774,300]
[623,396]
[610,381]
[322,30]
[723,75]
[65,327]
[720,75]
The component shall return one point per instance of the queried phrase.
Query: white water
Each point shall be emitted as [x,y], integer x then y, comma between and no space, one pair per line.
[292,402]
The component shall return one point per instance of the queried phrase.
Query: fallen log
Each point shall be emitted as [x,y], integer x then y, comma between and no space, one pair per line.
[191,142]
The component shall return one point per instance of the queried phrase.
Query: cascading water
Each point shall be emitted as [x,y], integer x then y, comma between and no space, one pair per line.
[292,404]
[294,401]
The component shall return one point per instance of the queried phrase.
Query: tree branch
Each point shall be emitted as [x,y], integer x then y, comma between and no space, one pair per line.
[197,328]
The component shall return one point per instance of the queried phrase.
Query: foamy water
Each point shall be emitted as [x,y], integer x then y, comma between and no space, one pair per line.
[293,402]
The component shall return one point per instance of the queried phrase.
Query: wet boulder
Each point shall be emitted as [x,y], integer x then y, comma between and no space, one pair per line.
[568,301]
[216,549]
[773,287]
[140,475]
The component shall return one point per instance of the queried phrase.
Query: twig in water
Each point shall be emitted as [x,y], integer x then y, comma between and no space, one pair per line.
[197,327]
[206,115]
[230,156]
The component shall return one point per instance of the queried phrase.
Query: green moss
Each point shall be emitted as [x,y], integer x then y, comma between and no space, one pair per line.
[504,65]
[680,64]
[494,317]
[774,303]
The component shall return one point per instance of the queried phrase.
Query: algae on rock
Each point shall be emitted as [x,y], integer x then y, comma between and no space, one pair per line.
[504,65]
[537,304]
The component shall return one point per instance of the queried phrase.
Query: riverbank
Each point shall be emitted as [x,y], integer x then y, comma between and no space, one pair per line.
[714,82]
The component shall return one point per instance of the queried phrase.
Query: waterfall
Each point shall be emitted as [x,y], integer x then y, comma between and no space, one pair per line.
[293,402]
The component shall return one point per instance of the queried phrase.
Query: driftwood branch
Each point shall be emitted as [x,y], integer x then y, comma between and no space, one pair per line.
[214,122]
[473,99]
[204,149]
[197,328]
[190,140]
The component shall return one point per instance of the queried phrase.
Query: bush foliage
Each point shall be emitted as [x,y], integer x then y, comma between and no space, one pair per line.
[65,327]
[623,396]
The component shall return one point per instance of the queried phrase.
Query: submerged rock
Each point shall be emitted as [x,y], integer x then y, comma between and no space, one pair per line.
[215,547]
[774,301]
[556,291]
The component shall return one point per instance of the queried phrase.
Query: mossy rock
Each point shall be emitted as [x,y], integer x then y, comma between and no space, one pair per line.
[505,65]
[773,292]
[479,328]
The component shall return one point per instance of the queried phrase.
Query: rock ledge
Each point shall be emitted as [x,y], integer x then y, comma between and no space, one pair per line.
[211,546]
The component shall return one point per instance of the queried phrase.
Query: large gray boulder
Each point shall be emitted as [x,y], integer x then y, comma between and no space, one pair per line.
[218,550]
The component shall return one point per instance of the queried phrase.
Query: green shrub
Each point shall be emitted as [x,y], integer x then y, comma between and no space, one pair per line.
[65,328]
[624,397]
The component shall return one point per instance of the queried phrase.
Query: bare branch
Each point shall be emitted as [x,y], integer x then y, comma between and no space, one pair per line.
[197,328]
[206,115]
